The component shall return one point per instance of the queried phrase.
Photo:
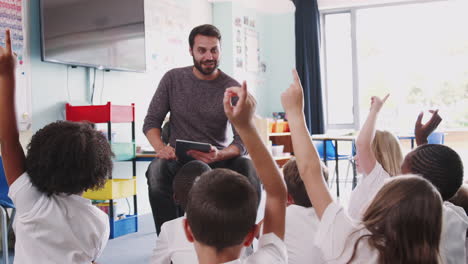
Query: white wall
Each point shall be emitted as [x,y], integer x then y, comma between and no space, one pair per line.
[53,84]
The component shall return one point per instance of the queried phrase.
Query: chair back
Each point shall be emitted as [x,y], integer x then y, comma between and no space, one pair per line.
[331,151]
[5,201]
[436,138]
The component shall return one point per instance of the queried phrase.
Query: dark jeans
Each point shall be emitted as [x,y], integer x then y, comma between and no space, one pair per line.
[160,175]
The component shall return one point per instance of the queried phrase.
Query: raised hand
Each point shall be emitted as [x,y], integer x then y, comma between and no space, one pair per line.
[241,114]
[377,103]
[422,131]
[12,152]
[7,57]
[293,98]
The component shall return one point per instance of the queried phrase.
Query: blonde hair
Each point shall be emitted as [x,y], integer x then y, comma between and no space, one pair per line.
[387,152]
[405,222]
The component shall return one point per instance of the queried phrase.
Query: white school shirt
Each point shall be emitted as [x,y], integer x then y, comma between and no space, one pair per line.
[56,229]
[454,224]
[365,191]
[336,236]
[453,239]
[466,247]
[301,229]
[172,245]
[271,250]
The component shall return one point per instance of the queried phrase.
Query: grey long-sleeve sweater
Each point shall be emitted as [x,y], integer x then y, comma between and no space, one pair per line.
[196,108]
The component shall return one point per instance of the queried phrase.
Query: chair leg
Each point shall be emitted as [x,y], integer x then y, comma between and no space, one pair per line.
[347,173]
[330,181]
[12,217]
[4,219]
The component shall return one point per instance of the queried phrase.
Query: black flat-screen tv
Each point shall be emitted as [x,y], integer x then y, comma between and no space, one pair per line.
[102,34]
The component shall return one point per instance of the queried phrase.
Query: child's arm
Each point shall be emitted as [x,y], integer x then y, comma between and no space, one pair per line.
[421,132]
[307,159]
[366,136]
[12,152]
[241,116]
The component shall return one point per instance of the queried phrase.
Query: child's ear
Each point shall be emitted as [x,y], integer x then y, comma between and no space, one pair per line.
[251,235]
[188,231]
[290,200]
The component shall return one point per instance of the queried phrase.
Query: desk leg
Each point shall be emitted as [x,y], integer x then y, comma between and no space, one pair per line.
[354,166]
[325,152]
[412,143]
[337,170]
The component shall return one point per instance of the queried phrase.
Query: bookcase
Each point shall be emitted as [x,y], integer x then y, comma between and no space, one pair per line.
[277,138]
[114,188]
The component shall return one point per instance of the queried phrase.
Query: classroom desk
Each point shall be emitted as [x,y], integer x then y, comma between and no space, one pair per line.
[145,156]
[324,138]
[408,137]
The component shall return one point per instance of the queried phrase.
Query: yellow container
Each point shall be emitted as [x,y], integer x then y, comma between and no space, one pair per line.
[114,189]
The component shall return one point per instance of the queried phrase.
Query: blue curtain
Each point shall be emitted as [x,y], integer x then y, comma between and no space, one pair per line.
[307,29]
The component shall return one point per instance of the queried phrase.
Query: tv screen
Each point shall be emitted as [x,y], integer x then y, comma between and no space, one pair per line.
[104,34]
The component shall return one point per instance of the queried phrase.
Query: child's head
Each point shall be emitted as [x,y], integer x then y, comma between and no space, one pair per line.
[297,193]
[439,164]
[387,151]
[405,221]
[67,157]
[184,180]
[221,210]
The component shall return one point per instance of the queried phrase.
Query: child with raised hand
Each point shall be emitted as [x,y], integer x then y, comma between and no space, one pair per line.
[438,164]
[172,245]
[443,167]
[53,223]
[222,205]
[301,220]
[402,224]
[378,157]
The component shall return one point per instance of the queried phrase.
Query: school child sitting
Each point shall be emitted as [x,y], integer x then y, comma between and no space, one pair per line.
[301,219]
[53,223]
[402,224]
[172,245]
[378,157]
[437,163]
[222,205]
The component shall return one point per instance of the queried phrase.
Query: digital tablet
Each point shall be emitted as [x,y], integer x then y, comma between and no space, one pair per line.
[182,146]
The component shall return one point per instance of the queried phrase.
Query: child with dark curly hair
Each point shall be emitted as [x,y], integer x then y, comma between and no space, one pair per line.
[54,224]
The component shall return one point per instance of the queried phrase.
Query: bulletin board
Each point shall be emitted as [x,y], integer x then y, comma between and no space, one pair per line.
[12,16]
[167,25]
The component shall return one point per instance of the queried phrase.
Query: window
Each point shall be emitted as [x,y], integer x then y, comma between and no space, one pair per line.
[339,70]
[416,52]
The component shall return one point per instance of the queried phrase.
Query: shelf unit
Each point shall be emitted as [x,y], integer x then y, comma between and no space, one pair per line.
[114,188]
[283,138]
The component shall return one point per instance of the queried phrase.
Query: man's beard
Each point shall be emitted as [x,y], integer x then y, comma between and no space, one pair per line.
[206,71]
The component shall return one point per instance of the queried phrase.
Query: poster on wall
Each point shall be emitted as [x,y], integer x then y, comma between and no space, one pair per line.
[167,27]
[11,17]
[251,50]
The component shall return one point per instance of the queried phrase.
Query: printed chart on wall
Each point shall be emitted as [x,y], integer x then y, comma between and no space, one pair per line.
[167,28]
[11,17]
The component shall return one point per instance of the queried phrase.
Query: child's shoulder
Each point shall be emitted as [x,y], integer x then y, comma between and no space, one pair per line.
[271,249]
[297,211]
[454,213]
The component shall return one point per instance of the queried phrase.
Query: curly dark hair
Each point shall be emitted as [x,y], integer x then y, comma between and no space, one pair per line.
[68,157]
[439,164]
